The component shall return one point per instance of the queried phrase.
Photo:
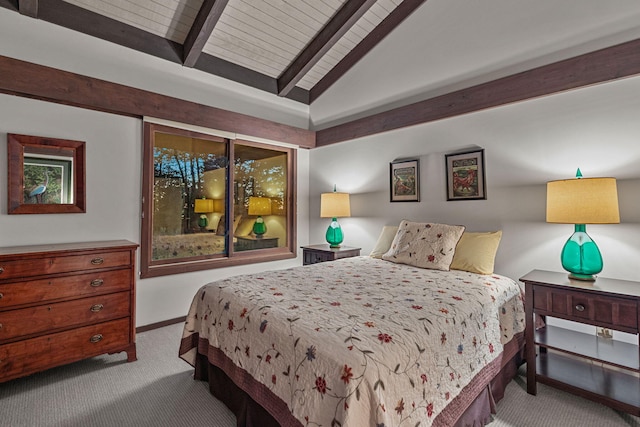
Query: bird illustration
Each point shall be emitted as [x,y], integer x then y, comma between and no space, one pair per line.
[38,192]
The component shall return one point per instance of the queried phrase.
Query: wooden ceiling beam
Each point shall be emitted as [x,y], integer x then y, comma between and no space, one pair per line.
[28,8]
[395,18]
[201,30]
[342,21]
[30,80]
[592,68]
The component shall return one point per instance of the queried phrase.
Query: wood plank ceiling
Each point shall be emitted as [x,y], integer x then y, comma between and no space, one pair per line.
[292,48]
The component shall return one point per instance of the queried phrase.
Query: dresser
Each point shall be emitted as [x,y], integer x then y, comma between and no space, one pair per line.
[314,254]
[600,369]
[62,303]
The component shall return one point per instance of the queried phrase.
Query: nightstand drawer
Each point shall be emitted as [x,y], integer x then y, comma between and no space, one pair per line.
[585,307]
[323,253]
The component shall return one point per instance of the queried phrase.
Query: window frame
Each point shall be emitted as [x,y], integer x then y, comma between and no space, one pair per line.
[151,268]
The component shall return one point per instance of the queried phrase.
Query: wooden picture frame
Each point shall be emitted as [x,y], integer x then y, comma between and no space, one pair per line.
[404,181]
[466,176]
[45,175]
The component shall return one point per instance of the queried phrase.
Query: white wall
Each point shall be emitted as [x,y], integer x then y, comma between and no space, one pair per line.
[114,148]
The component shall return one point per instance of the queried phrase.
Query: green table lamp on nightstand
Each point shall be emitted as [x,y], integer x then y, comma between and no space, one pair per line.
[582,201]
[259,206]
[334,205]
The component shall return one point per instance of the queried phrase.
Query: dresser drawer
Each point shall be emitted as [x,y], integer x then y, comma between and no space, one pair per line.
[21,268]
[58,288]
[37,354]
[585,307]
[15,324]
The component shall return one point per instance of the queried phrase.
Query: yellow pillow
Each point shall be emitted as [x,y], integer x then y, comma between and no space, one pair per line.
[476,252]
[384,241]
[245,227]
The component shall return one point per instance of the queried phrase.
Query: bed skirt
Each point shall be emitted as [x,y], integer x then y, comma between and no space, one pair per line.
[227,383]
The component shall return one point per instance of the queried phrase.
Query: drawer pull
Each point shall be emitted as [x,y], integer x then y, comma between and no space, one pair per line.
[1,270]
[580,307]
[97,261]
[97,307]
[1,295]
[96,338]
[97,282]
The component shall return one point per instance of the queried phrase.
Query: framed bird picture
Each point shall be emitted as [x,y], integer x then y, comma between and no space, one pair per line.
[46,175]
[466,175]
[47,180]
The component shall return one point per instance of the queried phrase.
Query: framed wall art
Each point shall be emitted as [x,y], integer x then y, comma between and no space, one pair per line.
[466,176]
[404,181]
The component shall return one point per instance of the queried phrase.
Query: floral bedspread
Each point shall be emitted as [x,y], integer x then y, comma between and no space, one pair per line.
[359,341]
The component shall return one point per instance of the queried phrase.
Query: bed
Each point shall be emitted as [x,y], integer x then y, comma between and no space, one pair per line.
[357,341]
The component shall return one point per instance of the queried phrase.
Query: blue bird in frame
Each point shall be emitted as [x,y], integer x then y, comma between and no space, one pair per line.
[38,192]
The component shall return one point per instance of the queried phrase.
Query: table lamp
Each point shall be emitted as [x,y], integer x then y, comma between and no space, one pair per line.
[203,206]
[334,205]
[259,206]
[582,201]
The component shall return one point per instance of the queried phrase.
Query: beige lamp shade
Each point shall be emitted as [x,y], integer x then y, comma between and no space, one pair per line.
[259,206]
[334,205]
[203,206]
[583,201]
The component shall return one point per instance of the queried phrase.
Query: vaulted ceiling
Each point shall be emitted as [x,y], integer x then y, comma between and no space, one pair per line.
[358,67]
[296,49]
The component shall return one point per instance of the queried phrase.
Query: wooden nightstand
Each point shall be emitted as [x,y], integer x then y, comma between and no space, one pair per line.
[577,362]
[314,254]
[249,243]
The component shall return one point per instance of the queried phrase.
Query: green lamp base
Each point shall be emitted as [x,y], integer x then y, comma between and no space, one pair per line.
[581,256]
[259,227]
[334,234]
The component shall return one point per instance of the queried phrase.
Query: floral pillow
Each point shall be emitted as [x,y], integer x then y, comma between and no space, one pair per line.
[424,245]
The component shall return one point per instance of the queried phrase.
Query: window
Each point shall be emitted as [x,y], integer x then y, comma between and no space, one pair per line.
[212,202]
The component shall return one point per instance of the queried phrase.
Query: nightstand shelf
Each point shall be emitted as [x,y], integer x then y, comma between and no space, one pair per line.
[314,254]
[603,370]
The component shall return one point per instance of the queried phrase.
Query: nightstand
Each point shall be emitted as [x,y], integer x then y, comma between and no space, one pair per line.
[249,243]
[314,254]
[599,369]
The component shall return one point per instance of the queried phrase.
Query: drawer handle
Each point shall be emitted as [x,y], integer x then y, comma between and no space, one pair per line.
[1,295]
[1,270]
[96,338]
[580,307]
[97,261]
[96,282]
[97,307]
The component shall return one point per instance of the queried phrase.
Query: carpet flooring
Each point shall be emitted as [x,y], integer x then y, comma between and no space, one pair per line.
[158,390]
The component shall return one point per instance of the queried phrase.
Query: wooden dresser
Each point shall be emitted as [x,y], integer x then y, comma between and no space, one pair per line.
[65,302]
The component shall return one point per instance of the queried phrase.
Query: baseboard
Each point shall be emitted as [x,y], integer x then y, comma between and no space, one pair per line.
[151,326]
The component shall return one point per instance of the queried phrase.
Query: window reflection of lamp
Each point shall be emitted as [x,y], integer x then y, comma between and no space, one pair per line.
[259,206]
[334,205]
[582,201]
[203,206]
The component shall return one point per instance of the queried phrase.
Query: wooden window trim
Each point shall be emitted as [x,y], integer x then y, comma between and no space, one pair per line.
[149,268]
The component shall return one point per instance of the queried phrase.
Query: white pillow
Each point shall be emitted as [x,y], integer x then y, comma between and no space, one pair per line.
[384,241]
[424,245]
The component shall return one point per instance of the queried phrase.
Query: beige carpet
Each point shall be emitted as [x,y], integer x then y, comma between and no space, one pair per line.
[158,390]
